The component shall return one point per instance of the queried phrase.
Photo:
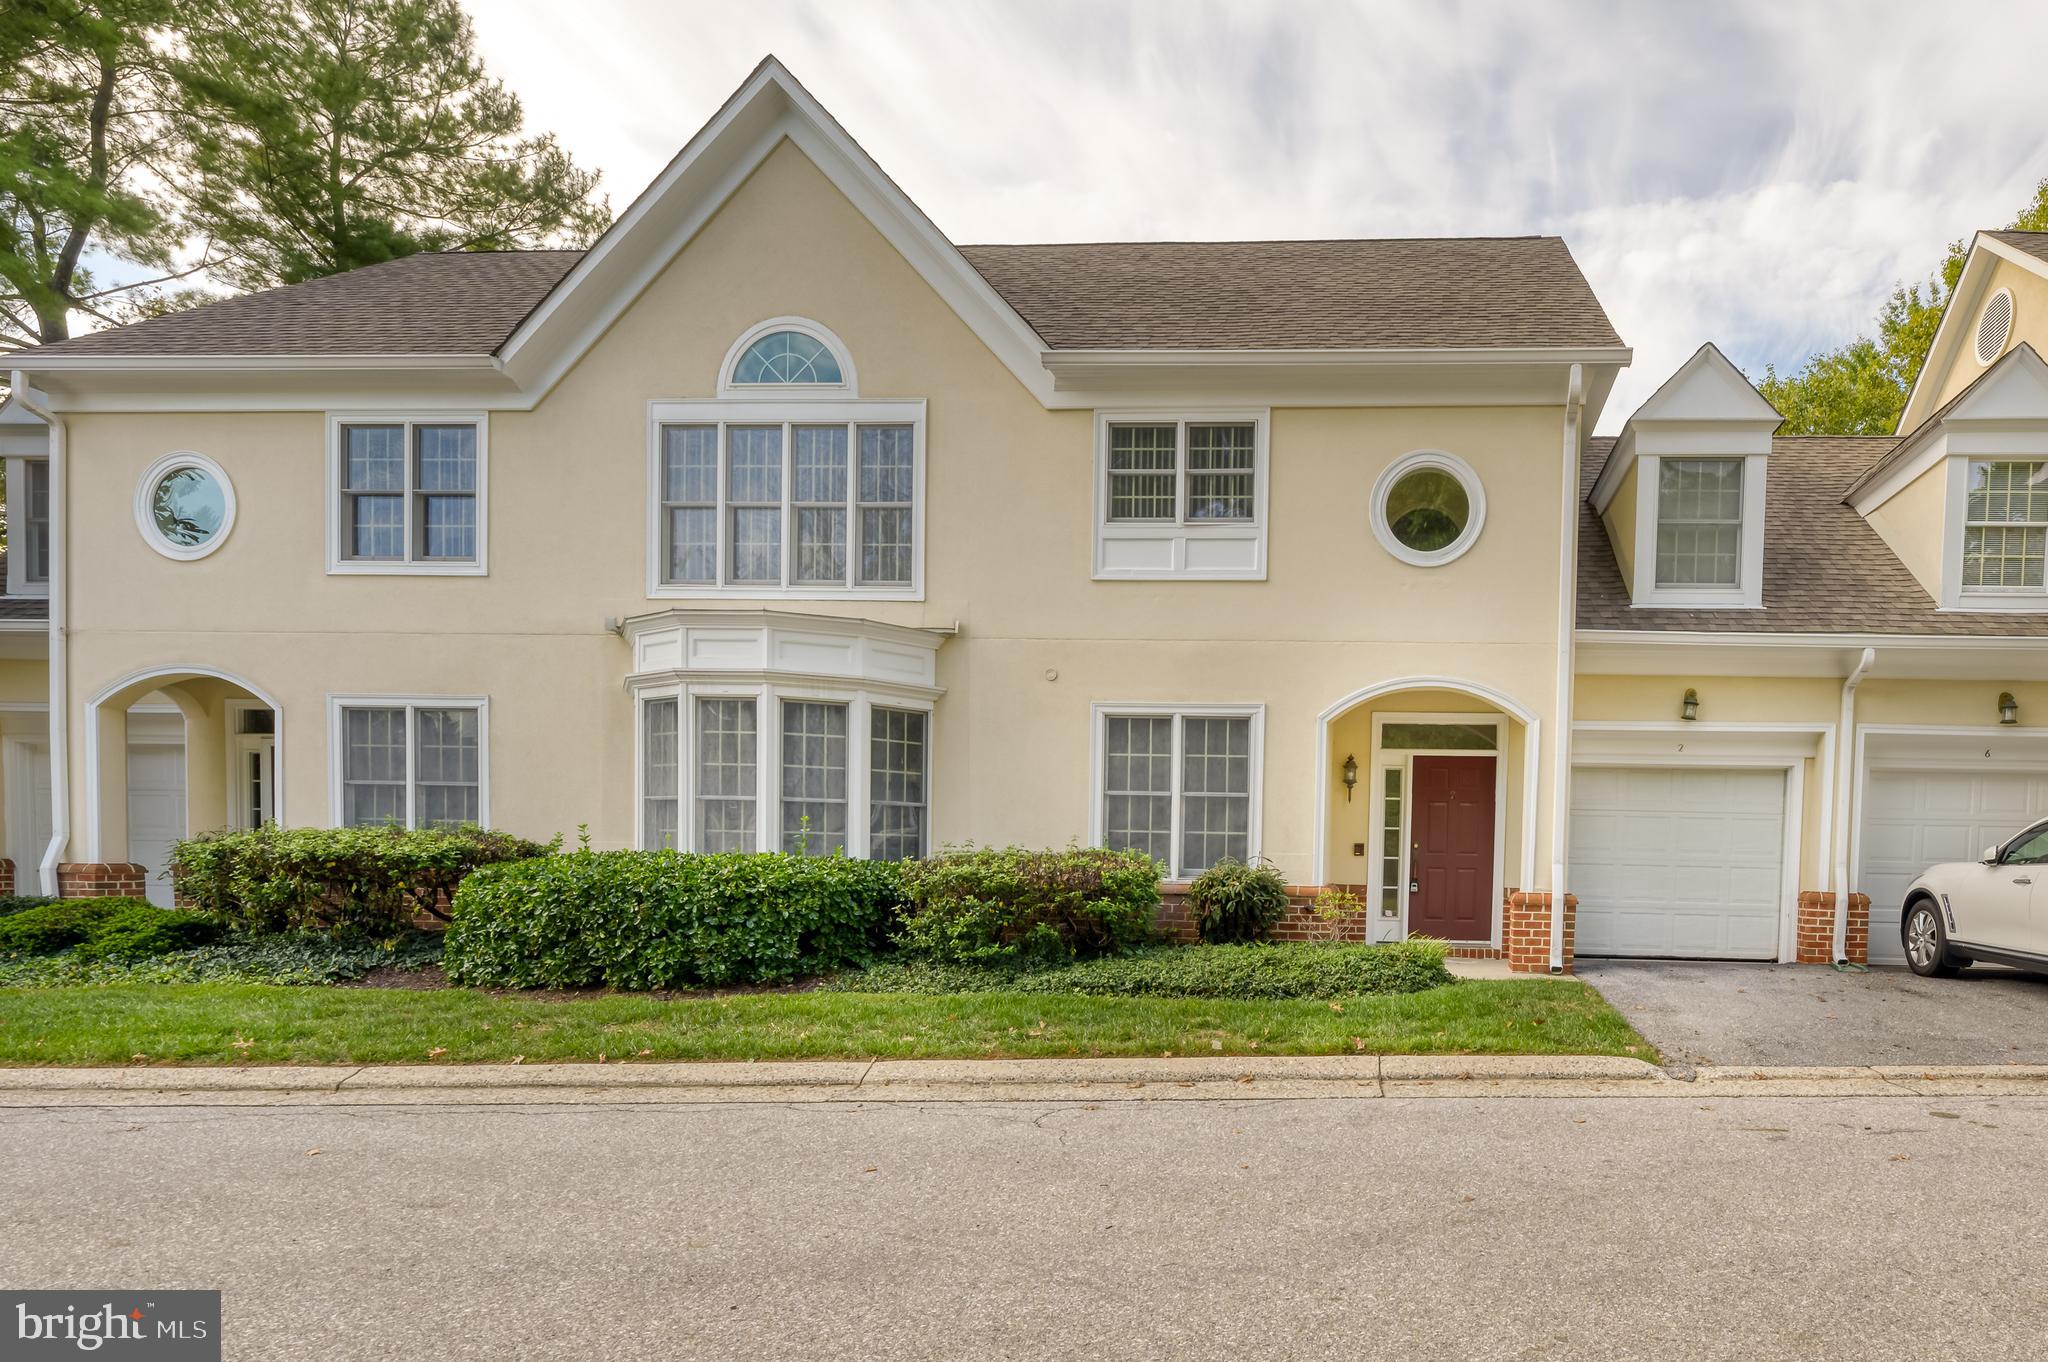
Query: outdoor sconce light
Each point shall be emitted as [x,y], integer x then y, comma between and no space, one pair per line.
[1351,776]
[2008,708]
[1690,709]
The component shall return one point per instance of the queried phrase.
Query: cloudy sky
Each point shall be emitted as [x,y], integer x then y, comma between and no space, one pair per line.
[1759,174]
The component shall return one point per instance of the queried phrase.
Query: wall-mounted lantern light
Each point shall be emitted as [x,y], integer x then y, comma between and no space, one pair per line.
[1690,708]
[1350,777]
[2008,708]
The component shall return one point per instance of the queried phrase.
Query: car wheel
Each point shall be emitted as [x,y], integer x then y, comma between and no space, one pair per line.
[1926,942]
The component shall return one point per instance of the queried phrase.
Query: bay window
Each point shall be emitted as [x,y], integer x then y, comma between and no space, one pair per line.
[845,771]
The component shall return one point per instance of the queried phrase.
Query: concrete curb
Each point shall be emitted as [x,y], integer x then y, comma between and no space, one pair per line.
[1083,1080]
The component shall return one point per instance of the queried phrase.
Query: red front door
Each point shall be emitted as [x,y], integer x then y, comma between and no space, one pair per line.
[1450,856]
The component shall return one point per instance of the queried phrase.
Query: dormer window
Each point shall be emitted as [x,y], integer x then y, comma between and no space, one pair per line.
[2005,525]
[1699,523]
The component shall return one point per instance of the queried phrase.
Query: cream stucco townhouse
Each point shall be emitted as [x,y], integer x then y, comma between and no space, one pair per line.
[778,519]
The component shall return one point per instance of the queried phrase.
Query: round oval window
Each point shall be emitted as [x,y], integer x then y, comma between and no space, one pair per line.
[1427,510]
[185,506]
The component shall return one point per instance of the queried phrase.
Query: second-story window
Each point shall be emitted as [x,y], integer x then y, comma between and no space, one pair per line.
[1699,522]
[408,495]
[1180,495]
[821,500]
[2005,525]
[36,557]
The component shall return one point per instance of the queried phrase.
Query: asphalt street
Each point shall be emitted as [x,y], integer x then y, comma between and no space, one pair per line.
[1784,1228]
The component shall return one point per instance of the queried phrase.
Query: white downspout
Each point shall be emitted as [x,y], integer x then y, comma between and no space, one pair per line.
[1567,611]
[60,701]
[1844,759]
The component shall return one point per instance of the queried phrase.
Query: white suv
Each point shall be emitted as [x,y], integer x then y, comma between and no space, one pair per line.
[1991,910]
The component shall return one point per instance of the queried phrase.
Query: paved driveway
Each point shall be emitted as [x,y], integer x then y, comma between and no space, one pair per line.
[1703,1013]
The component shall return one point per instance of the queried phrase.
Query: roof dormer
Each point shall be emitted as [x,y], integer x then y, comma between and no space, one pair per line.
[1682,495]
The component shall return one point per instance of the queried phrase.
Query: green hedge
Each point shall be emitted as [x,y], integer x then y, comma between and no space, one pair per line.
[280,958]
[1010,905]
[1291,970]
[1232,902]
[104,929]
[10,904]
[370,881]
[666,919]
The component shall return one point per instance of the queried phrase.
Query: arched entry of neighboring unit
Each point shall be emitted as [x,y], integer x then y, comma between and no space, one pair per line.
[170,752]
[1426,800]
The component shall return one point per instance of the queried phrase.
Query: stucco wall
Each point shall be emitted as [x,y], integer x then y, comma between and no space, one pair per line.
[2030,325]
[1914,523]
[1620,520]
[1008,527]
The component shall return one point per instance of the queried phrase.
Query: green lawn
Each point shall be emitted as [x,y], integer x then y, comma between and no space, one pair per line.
[262,1024]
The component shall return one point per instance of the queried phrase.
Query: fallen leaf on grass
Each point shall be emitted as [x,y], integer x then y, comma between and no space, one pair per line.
[138,1056]
[519,1059]
[437,1051]
[644,1053]
[1215,1045]
[1336,1007]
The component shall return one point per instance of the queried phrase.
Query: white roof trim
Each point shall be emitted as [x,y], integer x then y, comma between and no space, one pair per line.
[1706,392]
[1927,445]
[1962,302]
[769,107]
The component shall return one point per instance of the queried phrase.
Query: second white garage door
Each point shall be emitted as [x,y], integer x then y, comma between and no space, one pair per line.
[1915,819]
[1678,861]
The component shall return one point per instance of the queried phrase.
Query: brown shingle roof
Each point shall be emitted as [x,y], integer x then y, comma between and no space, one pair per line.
[20,607]
[1340,295]
[435,303]
[2033,243]
[1826,571]
[1425,293]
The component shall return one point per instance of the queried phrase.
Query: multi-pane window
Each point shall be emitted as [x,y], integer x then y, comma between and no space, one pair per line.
[1390,842]
[1149,480]
[1178,787]
[1699,522]
[2005,525]
[728,765]
[813,777]
[660,775]
[408,493]
[415,764]
[765,771]
[788,505]
[37,557]
[896,784]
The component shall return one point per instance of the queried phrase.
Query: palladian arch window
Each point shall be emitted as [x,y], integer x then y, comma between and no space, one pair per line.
[787,357]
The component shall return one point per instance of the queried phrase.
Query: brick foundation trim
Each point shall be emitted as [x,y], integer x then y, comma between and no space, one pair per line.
[103,879]
[1526,931]
[6,875]
[1300,922]
[1816,933]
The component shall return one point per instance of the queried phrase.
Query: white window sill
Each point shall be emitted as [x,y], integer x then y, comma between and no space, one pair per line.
[1185,575]
[33,591]
[778,593]
[407,570]
[1696,600]
[2000,603]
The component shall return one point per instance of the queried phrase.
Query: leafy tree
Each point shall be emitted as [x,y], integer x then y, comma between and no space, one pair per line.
[1860,388]
[86,158]
[331,134]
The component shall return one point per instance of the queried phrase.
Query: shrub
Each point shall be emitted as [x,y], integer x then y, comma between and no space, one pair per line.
[279,958]
[368,881]
[1232,901]
[1333,910]
[103,929]
[10,904]
[1011,905]
[666,919]
[1287,970]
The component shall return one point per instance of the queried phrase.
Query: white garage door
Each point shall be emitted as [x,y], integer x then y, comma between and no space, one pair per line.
[156,811]
[1678,861]
[1914,819]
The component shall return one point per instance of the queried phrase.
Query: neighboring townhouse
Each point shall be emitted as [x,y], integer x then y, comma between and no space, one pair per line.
[777,520]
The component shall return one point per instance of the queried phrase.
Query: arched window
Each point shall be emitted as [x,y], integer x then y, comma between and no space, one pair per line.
[787,354]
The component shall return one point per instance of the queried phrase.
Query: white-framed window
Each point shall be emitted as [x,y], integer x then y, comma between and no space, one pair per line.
[1699,522]
[28,527]
[1179,783]
[1699,531]
[2005,526]
[820,770]
[1428,508]
[817,500]
[412,760]
[184,506]
[788,357]
[1181,495]
[408,493]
